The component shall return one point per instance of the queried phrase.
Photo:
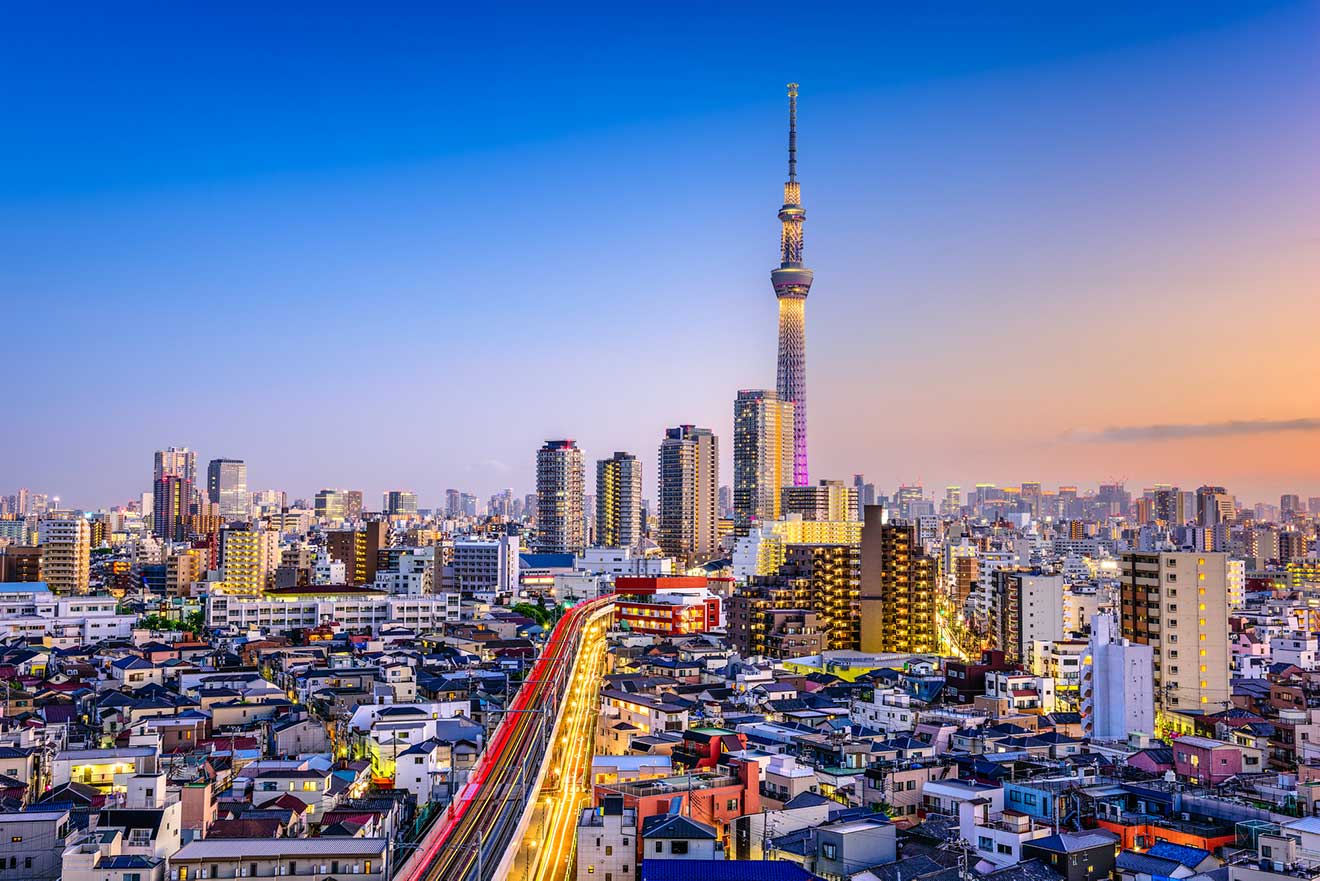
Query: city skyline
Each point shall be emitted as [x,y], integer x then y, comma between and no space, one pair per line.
[1088,295]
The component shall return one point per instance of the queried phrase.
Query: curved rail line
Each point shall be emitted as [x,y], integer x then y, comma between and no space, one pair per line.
[469,839]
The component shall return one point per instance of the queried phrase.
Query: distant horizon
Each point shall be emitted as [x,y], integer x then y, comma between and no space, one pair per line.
[1076,246]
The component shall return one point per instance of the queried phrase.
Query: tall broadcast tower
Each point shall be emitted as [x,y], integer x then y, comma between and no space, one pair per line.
[792,283]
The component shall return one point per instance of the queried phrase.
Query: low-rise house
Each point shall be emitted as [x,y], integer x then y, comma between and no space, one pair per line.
[264,859]
[32,843]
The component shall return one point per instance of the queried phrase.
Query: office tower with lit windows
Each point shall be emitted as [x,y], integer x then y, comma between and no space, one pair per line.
[1177,603]
[400,503]
[329,504]
[560,486]
[827,500]
[171,507]
[792,283]
[762,456]
[952,504]
[898,586]
[66,547]
[226,486]
[689,493]
[619,501]
[1213,505]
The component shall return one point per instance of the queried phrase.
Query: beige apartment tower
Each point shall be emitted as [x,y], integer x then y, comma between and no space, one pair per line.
[66,554]
[1177,603]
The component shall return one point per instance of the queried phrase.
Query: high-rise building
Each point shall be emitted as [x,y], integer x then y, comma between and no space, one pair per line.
[560,486]
[689,493]
[1213,505]
[952,504]
[453,503]
[226,486]
[1290,504]
[762,456]
[353,504]
[66,549]
[1177,603]
[1167,505]
[827,500]
[358,550]
[171,507]
[792,283]
[898,585]
[619,501]
[176,462]
[249,558]
[817,585]
[400,503]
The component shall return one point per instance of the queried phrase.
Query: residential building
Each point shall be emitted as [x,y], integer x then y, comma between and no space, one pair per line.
[689,493]
[1177,603]
[171,513]
[1117,693]
[669,606]
[897,589]
[822,579]
[32,844]
[358,550]
[827,500]
[266,859]
[619,501]
[560,515]
[1027,607]
[606,841]
[249,557]
[66,549]
[484,566]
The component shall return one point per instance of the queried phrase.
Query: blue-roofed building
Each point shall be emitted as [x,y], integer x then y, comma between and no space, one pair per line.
[1194,858]
[724,870]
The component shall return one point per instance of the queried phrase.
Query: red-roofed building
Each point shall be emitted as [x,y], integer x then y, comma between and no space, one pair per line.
[668,605]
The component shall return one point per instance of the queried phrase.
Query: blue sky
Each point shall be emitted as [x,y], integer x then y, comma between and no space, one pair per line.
[399,246]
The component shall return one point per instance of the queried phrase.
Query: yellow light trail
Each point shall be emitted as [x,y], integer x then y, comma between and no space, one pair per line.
[547,850]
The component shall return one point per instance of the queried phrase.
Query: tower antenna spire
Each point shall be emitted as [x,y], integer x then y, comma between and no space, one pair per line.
[792,283]
[792,131]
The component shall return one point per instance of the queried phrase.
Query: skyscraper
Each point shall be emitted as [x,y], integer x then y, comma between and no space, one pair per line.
[453,503]
[171,507]
[619,501]
[762,455]
[1213,505]
[792,283]
[176,462]
[400,503]
[689,493]
[226,486]
[560,526]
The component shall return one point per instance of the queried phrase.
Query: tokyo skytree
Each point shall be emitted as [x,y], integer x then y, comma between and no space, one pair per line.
[792,283]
